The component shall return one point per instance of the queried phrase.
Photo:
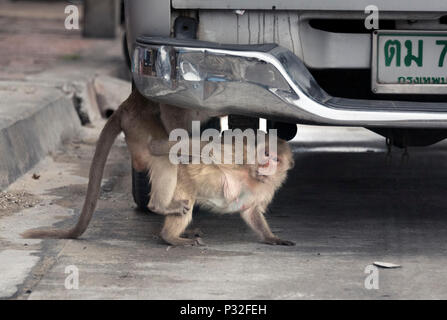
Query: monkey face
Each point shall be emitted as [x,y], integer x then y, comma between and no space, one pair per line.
[268,164]
[272,164]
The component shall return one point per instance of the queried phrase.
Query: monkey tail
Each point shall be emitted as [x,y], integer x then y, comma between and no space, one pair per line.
[106,139]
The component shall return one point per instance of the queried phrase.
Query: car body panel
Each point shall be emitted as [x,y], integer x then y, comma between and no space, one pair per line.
[332,5]
[308,48]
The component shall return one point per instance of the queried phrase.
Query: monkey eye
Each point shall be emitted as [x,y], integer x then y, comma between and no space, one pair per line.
[267,154]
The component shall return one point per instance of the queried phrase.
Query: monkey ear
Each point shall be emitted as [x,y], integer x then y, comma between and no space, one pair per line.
[231,186]
[292,162]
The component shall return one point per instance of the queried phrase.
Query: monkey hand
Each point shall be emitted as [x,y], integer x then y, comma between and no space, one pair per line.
[180,207]
[177,207]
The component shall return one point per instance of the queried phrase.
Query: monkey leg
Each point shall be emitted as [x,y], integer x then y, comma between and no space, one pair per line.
[256,221]
[139,127]
[163,177]
[174,225]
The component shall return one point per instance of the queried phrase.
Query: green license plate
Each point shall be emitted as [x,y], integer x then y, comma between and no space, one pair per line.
[409,62]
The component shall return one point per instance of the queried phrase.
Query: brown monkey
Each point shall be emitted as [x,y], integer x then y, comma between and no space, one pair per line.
[163,175]
[228,188]
[140,120]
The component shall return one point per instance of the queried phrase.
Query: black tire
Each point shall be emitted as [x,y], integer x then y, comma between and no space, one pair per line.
[141,189]
[242,122]
[213,123]
[126,52]
[286,131]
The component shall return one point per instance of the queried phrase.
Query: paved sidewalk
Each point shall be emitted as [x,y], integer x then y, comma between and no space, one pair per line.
[344,205]
[33,39]
[47,82]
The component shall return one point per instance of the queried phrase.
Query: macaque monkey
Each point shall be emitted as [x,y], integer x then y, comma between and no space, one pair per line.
[228,188]
[243,188]
[141,120]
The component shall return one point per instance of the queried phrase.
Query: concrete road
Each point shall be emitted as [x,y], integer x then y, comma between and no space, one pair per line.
[344,205]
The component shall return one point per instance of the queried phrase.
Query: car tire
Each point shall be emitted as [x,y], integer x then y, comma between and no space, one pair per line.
[286,131]
[141,189]
[242,122]
[126,53]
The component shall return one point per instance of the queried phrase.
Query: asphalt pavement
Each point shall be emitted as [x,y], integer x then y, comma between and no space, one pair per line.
[346,204]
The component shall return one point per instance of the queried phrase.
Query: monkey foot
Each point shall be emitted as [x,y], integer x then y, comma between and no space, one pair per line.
[185,242]
[193,233]
[200,242]
[279,242]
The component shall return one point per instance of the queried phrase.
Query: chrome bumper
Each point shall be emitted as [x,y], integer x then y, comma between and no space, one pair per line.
[263,80]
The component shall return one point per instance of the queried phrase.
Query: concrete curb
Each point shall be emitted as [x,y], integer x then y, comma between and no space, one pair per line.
[38,114]
[34,120]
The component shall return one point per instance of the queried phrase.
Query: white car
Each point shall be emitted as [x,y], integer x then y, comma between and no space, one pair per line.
[380,65]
